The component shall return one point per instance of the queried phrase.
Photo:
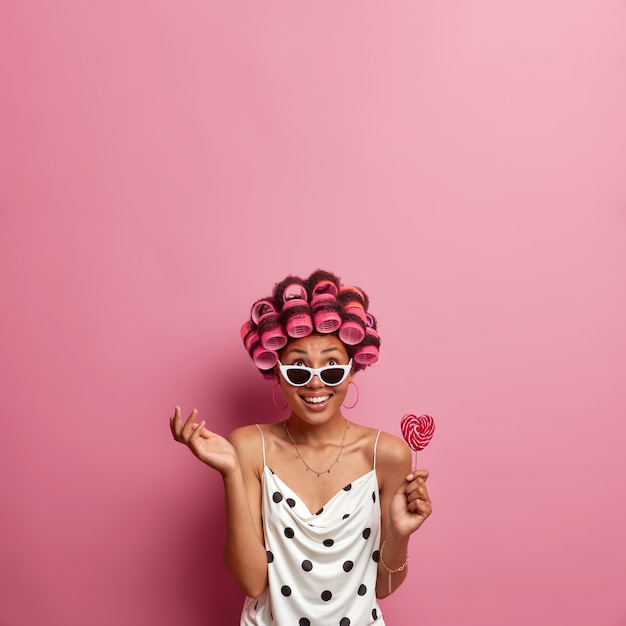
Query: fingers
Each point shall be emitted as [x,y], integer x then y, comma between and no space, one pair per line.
[418,473]
[197,432]
[175,423]
[182,432]
[418,500]
[187,427]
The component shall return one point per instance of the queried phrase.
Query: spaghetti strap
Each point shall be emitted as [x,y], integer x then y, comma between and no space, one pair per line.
[263,441]
[375,446]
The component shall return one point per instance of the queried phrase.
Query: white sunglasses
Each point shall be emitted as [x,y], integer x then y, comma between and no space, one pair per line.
[300,375]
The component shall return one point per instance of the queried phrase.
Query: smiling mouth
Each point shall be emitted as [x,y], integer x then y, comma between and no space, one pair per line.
[316,399]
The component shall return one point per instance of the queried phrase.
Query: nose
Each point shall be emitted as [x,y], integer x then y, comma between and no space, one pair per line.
[316,382]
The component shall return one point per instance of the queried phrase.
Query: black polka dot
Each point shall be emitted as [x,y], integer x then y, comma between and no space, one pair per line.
[345,621]
[320,511]
[326,595]
[277,496]
[307,566]
[303,621]
[285,590]
[346,516]
[374,496]
[376,556]
[374,614]
[362,590]
[291,502]
[328,542]
[347,488]
[270,557]
[366,533]
[289,532]
[347,566]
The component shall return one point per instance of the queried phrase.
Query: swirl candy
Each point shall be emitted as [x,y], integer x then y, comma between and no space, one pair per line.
[417,431]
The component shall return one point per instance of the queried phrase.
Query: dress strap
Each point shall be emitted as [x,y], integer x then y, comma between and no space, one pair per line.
[263,441]
[375,446]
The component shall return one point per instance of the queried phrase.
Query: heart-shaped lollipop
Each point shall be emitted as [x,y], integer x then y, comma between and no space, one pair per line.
[417,431]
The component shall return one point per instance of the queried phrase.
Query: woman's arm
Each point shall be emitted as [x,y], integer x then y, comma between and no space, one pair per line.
[243,551]
[405,505]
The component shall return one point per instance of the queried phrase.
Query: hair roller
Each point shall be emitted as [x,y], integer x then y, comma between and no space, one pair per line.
[352,330]
[247,328]
[292,288]
[325,313]
[321,282]
[261,309]
[352,300]
[263,358]
[350,293]
[264,314]
[367,351]
[317,304]
[272,334]
[296,316]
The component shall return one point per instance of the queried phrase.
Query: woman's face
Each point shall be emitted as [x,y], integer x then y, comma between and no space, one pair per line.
[315,402]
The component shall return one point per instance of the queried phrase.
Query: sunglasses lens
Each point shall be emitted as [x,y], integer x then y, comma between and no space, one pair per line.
[333,375]
[298,376]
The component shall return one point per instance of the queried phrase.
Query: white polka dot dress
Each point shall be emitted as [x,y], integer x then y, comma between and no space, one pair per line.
[322,565]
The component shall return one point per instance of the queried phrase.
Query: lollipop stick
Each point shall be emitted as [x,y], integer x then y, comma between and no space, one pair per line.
[415,466]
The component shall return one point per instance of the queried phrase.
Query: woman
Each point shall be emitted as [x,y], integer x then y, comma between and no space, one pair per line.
[319,509]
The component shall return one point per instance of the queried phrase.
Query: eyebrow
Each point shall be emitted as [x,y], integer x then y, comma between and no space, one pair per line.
[301,351]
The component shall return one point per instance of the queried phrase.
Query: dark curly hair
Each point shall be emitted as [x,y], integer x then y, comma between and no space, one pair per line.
[319,304]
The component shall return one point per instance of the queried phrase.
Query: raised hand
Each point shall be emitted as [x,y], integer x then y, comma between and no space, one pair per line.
[410,505]
[209,447]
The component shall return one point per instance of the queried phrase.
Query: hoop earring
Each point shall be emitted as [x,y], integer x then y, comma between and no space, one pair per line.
[357,397]
[280,408]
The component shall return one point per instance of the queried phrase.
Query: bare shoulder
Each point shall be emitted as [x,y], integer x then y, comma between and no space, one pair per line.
[248,443]
[245,436]
[393,455]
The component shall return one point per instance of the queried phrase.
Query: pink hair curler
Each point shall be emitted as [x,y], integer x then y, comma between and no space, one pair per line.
[352,332]
[325,287]
[326,320]
[355,292]
[355,308]
[273,336]
[297,318]
[262,309]
[295,291]
[263,358]
[251,340]
[246,329]
[366,355]
[325,313]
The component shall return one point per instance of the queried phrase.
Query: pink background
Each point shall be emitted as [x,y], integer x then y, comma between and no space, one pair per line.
[162,164]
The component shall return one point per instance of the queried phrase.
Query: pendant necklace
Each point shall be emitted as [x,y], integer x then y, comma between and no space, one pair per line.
[308,468]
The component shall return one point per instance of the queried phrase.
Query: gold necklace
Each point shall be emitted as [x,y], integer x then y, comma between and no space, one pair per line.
[308,467]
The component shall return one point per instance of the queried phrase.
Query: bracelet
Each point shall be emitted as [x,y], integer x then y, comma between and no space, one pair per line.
[389,570]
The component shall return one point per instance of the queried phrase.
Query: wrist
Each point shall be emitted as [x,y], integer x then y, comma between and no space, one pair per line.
[389,557]
[231,474]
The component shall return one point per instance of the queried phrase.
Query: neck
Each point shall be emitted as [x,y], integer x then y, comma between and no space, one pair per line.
[316,434]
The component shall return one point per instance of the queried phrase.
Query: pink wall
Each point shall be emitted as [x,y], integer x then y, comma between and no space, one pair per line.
[162,164]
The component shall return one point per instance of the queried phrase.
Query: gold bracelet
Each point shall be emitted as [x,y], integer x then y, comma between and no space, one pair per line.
[389,570]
